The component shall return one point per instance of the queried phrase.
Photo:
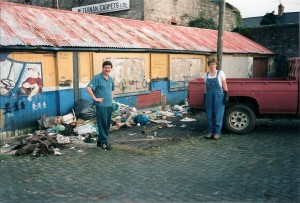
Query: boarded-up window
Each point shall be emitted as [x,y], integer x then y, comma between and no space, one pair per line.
[184,69]
[130,71]
[129,75]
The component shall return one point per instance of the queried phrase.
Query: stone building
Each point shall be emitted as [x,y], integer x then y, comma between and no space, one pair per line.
[178,12]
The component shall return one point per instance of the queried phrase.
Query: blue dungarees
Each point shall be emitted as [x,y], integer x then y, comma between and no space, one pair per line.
[214,105]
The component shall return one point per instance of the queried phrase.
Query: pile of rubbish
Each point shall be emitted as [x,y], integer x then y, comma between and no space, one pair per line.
[40,143]
[56,131]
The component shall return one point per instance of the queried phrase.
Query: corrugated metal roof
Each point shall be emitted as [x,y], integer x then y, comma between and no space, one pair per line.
[24,25]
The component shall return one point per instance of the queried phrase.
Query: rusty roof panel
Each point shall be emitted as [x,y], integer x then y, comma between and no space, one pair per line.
[24,25]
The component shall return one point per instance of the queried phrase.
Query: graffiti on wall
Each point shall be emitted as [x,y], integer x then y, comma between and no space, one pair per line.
[182,70]
[129,75]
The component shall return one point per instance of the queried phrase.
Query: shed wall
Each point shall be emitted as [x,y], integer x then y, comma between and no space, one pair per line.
[140,78]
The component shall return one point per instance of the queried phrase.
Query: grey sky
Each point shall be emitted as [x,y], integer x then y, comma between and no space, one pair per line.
[253,8]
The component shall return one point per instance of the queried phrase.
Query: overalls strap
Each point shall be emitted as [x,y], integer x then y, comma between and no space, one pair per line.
[208,73]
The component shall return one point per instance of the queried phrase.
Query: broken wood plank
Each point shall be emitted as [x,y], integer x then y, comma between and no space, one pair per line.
[143,140]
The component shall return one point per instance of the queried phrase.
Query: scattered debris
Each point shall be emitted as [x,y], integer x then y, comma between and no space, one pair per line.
[62,139]
[152,129]
[186,119]
[57,152]
[171,125]
[5,148]
[38,144]
[90,127]
[80,125]
[160,121]
[151,138]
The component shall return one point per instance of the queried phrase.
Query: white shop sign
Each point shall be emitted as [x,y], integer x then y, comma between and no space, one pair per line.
[106,7]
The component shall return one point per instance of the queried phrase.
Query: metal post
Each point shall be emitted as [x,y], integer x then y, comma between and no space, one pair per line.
[220,33]
[76,76]
[57,4]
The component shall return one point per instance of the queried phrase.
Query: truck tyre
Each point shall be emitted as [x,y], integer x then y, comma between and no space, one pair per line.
[239,119]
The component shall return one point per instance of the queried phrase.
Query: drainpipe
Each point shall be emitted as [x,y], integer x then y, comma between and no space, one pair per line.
[220,33]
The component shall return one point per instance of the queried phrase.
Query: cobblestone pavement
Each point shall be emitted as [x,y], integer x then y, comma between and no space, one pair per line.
[262,166]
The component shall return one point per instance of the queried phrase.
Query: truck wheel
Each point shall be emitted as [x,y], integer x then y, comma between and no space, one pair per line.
[239,119]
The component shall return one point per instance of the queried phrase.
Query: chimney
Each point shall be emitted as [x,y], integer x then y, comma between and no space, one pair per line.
[280,10]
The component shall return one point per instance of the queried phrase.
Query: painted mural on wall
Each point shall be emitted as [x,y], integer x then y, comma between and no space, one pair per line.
[183,70]
[129,75]
[21,88]
[20,78]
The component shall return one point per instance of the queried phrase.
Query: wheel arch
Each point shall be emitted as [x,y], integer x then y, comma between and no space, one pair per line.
[243,100]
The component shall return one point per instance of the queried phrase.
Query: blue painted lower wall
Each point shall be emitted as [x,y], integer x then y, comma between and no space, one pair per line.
[18,112]
[173,97]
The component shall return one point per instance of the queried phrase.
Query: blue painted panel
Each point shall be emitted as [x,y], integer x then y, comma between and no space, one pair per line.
[83,94]
[178,85]
[128,100]
[19,112]
[65,101]
[162,85]
[173,97]
[176,97]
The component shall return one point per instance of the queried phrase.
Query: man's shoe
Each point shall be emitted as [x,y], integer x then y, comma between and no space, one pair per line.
[216,136]
[104,146]
[208,136]
[108,146]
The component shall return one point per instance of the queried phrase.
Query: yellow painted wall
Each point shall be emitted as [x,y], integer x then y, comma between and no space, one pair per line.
[65,69]
[159,65]
[85,68]
[57,69]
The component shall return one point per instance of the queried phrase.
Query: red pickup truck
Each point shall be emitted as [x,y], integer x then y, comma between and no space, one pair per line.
[252,97]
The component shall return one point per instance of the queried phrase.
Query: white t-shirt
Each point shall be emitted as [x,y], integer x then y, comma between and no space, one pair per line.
[221,77]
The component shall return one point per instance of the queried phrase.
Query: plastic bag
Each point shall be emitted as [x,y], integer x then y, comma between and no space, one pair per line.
[142,119]
[47,122]
[84,109]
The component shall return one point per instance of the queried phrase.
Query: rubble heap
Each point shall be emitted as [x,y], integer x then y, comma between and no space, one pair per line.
[56,131]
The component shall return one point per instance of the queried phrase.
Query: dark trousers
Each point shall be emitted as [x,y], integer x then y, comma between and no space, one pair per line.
[103,115]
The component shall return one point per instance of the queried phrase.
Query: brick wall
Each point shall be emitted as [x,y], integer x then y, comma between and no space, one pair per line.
[281,39]
[147,100]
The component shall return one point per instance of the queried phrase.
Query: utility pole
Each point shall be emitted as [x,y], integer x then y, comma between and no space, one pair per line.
[220,33]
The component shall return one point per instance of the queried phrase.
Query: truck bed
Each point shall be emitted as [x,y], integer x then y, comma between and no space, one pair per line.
[272,96]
